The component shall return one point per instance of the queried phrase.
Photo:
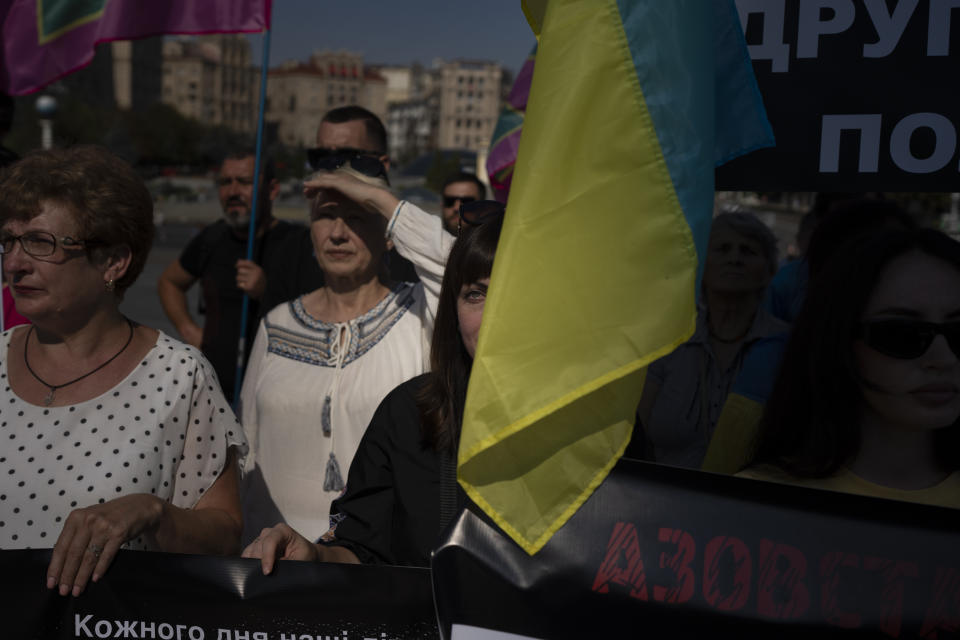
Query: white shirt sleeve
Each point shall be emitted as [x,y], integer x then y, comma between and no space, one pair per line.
[210,430]
[248,396]
[421,239]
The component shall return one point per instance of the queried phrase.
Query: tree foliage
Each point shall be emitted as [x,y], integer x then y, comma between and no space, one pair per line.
[153,138]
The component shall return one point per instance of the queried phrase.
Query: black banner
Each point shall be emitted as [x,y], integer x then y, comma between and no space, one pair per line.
[862,96]
[655,549]
[183,597]
[659,549]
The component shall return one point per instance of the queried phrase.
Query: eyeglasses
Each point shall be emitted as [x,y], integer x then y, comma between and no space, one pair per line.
[449,201]
[40,244]
[362,160]
[479,212]
[908,339]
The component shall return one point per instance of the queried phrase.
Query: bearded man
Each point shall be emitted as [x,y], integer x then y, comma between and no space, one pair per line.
[283,267]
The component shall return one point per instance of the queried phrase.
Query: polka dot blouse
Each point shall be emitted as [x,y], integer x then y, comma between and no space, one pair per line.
[164,430]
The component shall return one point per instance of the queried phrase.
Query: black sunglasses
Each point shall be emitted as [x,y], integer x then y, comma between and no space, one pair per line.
[449,201]
[365,162]
[478,212]
[908,339]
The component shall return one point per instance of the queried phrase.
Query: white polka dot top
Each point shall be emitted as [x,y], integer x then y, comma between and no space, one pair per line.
[164,430]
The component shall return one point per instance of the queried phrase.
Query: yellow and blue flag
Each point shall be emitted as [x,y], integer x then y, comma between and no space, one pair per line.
[733,439]
[632,104]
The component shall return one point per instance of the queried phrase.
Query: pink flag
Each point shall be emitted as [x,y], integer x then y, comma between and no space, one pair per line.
[506,135]
[44,40]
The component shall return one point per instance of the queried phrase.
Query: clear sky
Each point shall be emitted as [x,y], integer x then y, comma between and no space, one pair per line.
[400,31]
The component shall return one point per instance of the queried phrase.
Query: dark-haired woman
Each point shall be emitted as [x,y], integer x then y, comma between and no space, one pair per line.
[868,398]
[391,512]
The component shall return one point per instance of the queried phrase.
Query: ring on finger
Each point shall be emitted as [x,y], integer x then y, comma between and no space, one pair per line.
[95,549]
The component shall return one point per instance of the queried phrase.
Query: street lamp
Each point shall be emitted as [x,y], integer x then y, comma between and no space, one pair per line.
[46,107]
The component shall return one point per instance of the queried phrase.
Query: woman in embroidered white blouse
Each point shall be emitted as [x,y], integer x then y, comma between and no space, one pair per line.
[322,363]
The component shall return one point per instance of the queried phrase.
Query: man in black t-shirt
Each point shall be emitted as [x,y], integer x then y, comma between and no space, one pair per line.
[282,268]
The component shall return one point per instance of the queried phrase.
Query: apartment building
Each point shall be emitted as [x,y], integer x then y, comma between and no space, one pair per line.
[211,79]
[299,93]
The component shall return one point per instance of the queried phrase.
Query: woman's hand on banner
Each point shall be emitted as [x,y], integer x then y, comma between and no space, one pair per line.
[283,543]
[280,542]
[91,537]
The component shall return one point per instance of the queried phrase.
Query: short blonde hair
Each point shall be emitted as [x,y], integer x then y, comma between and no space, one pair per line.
[750,226]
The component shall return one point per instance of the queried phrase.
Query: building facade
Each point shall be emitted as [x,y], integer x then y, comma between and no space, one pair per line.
[469,104]
[452,106]
[299,94]
[137,72]
[211,79]
[412,127]
[124,74]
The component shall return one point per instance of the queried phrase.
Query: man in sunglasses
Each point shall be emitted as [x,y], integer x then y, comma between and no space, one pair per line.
[459,188]
[351,131]
[282,268]
[356,137]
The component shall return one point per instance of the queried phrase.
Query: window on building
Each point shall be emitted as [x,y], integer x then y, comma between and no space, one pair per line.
[292,106]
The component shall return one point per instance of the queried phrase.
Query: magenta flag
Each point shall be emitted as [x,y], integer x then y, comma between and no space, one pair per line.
[44,40]
[506,136]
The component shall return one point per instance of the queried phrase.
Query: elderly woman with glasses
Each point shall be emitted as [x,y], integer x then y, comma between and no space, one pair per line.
[114,434]
[322,362]
[686,391]
[868,396]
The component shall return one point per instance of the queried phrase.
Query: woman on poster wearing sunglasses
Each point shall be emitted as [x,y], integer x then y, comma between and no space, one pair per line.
[868,397]
[402,489]
[322,362]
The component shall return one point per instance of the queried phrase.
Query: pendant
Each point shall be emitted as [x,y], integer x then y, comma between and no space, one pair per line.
[49,399]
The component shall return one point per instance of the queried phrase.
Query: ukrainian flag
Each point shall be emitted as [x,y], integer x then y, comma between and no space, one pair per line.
[632,104]
[732,444]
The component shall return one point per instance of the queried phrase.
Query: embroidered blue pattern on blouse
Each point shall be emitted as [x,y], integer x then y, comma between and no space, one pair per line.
[314,343]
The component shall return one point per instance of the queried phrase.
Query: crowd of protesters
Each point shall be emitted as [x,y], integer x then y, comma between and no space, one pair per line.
[118,436]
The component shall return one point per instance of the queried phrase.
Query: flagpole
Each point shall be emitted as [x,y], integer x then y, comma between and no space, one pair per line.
[252,229]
